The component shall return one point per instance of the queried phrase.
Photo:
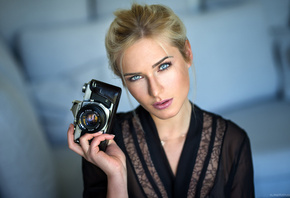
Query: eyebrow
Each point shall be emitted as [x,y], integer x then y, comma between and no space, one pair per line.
[132,74]
[154,65]
[166,57]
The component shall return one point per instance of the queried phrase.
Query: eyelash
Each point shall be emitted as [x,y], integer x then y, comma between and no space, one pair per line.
[162,67]
[135,78]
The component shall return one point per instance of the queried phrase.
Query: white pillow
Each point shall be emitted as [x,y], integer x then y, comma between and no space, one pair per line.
[233,58]
[17,14]
[59,49]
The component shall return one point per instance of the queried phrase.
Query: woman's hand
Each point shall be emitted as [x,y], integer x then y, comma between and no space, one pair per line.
[112,161]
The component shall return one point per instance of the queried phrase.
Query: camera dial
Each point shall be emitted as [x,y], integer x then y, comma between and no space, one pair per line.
[84,88]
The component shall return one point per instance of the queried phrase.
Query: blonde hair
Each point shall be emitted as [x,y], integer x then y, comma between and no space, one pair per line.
[150,21]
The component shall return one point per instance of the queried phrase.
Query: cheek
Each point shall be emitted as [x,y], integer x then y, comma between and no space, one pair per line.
[176,79]
[137,91]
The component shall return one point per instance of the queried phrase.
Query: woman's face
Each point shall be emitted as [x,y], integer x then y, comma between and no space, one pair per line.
[157,76]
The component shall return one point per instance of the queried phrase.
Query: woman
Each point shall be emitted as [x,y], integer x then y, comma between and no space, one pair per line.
[167,147]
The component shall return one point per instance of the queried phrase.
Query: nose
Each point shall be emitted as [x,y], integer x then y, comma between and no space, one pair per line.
[154,87]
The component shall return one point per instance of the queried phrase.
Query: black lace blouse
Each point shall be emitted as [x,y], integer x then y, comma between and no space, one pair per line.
[215,161]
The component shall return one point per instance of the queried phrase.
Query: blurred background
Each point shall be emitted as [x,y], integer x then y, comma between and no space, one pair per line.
[49,49]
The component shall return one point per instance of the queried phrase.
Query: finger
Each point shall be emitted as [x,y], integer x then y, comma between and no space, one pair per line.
[112,142]
[84,140]
[94,153]
[71,143]
[97,140]
[94,148]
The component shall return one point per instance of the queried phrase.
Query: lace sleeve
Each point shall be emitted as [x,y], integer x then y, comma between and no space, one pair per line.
[240,181]
[242,185]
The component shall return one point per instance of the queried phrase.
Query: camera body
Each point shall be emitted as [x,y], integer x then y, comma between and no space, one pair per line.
[97,110]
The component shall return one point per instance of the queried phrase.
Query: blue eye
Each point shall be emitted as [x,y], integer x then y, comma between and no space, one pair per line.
[134,78]
[164,66]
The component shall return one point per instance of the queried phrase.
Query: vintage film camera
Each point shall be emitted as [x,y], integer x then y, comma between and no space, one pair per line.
[96,112]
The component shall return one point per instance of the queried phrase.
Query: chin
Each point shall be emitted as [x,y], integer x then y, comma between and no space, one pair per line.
[164,114]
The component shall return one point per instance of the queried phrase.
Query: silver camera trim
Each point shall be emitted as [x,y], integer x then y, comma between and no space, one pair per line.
[78,105]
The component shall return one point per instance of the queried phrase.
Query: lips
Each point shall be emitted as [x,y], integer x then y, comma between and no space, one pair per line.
[163,104]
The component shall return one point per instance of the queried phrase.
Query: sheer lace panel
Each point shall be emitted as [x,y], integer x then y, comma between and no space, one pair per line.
[145,151]
[207,159]
[201,154]
[210,175]
[137,162]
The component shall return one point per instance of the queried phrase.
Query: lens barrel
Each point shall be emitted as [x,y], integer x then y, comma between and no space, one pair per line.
[91,118]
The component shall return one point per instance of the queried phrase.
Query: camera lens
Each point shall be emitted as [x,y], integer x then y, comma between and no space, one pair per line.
[91,118]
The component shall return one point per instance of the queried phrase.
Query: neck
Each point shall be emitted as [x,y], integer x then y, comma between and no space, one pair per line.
[176,126]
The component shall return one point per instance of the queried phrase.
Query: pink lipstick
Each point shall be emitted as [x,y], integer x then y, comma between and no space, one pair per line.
[163,104]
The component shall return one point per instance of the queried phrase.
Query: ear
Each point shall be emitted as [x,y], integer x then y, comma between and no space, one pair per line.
[188,52]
